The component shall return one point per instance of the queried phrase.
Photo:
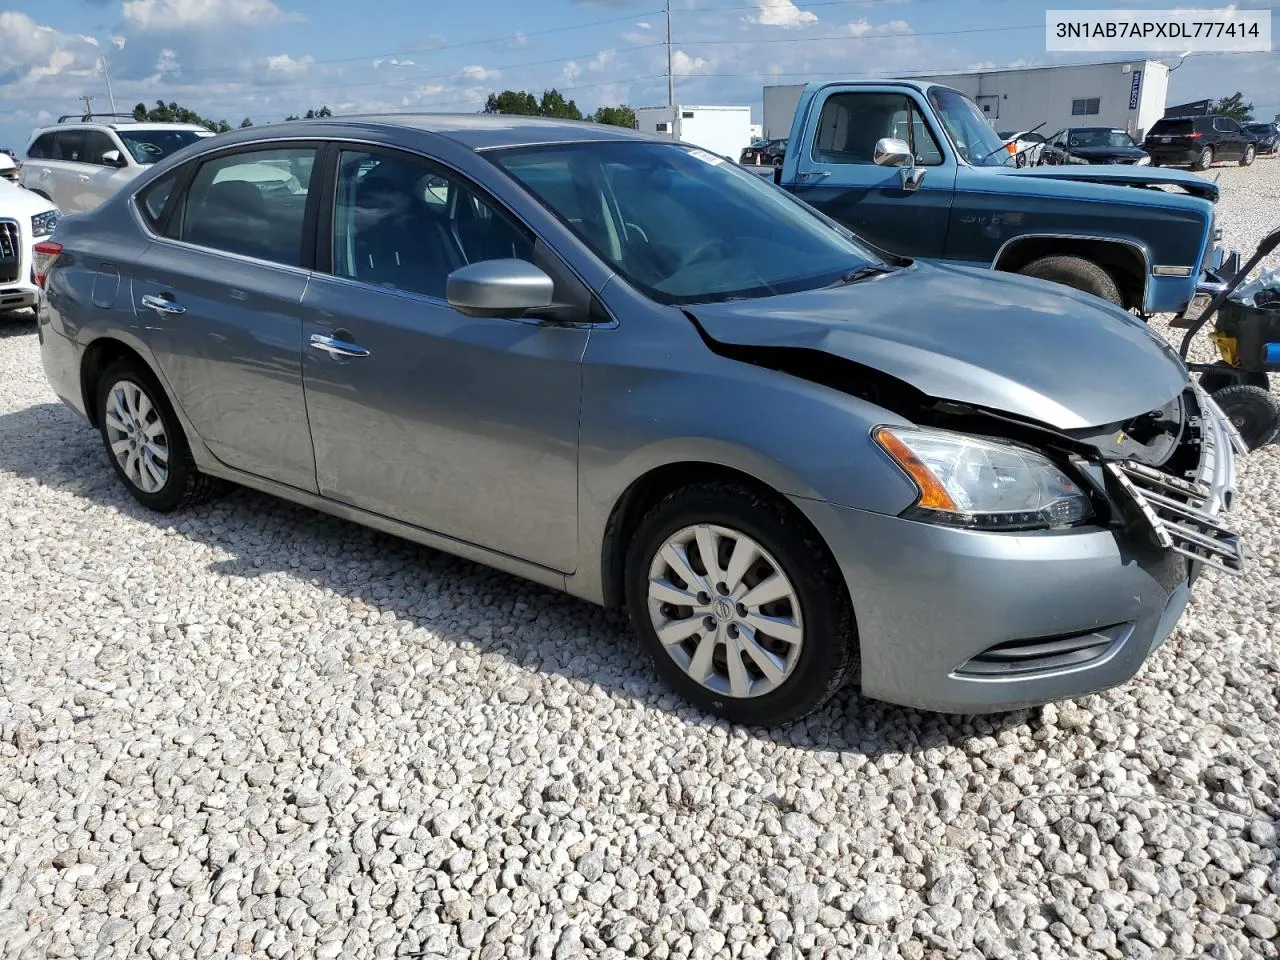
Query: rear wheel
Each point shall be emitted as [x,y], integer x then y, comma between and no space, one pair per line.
[145,442]
[1204,161]
[739,605]
[1249,153]
[1254,410]
[1076,272]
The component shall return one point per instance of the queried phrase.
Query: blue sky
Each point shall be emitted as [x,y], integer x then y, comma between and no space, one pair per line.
[265,59]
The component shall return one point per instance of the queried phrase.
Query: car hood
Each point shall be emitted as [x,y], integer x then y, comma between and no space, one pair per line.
[16,201]
[1026,347]
[1124,176]
[1099,153]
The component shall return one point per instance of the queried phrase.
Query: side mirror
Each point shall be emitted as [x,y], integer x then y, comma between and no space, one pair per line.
[498,288]
[112,158]
[892,152]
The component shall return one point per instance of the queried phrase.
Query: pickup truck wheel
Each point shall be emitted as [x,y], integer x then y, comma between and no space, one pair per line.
[1076,272]
[1249,153]
[1205,160]
[1254,410]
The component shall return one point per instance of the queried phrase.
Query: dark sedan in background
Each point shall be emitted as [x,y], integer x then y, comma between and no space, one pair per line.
[1095,145]
[1267,135]
[766,153]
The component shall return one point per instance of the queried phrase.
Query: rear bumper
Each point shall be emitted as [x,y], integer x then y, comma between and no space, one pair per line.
[1173,154]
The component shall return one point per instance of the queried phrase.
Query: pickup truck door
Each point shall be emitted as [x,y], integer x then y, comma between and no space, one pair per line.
[836,172]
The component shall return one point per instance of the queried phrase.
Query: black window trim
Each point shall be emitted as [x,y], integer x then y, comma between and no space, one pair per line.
[188,168]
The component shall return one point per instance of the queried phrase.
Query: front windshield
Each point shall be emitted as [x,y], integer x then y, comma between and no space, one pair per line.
[1099,137]
[973,137]
[682,225]
[1265,129]
[148,146]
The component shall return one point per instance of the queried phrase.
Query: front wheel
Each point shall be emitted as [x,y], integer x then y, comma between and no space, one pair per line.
[1076,272]
[1249,153]
[739,605]
[1205,160]
[145,442]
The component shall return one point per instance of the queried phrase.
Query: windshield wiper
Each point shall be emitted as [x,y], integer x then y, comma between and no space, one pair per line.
[1005,146]
[864,273]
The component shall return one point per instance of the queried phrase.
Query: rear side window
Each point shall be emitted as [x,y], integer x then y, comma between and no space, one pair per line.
[153,199]
[1172,128]
[69,145]
[252,204]
[43,148]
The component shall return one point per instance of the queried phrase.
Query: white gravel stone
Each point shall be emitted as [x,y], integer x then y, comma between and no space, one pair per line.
[247,729]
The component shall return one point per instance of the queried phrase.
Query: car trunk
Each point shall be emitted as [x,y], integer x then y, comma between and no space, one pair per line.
[1174,133]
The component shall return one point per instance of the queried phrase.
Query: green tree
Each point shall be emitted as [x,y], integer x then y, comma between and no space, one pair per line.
[312,114]
[1235,108]
[513,102]
[172,113]
[619,116]
[246,122]
[555,105]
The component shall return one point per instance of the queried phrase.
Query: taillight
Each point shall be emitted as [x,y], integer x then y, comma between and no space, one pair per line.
[1194,136]
[1012,146]
[46,252]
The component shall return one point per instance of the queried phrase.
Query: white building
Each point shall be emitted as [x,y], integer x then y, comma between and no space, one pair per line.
[722,130]
[1124,94]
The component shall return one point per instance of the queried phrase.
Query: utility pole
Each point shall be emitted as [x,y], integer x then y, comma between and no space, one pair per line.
[671,81]
[88,110]
[107,76]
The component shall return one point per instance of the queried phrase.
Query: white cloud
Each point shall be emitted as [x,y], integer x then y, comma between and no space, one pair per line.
[474,73]
[685,65]
[781,13]
[170,15]
[572,70]
[389,61]
[642,25]
[864,28]
[284,64]
[167,63]
[32,51]
[519,40]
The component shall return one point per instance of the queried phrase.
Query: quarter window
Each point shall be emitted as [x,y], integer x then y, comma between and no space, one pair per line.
[43,148]
[1086,107]
[252,204]
[153,199]
[401,222]
[852,123]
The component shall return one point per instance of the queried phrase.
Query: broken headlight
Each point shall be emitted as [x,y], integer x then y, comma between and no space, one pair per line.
[983,484]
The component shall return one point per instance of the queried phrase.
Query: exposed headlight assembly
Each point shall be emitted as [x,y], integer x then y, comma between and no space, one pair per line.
[982,484]
[42,224]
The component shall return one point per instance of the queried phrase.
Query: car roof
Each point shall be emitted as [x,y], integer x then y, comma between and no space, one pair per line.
[121,125]
[481,131]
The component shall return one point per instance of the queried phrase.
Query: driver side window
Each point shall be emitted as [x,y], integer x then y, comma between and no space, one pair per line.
[852,123]
[401,222]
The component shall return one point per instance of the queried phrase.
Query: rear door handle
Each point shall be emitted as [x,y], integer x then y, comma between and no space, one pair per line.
[337,348]
[85,178]
[162,305]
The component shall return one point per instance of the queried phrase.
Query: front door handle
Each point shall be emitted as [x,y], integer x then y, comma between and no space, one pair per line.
[162,305]
[814,174]
[85,178]
[337,348]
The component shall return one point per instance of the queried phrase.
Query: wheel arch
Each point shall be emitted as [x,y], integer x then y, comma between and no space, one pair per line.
[647,490]
[1128,261]
[97,357]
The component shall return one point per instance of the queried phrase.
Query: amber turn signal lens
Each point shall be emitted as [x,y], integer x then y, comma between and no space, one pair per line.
[932,492]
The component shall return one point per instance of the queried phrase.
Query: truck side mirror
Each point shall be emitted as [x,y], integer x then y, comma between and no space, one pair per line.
[892,152]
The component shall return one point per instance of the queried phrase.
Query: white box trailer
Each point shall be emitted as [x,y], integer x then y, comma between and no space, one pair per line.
[721,130]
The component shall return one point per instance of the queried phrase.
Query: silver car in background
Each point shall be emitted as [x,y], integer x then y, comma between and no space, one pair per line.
[623,368]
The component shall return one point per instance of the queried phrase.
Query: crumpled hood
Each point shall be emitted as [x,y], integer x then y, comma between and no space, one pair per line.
[1122,176]
[1009,343]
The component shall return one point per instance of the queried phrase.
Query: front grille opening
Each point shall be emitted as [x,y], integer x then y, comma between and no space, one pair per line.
[1024,658]
[10,251]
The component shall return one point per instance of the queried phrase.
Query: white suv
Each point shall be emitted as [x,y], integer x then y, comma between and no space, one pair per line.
[79,164]
[24,220]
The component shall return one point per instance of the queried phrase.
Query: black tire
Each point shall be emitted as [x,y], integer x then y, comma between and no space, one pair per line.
[828,655]
[1250,152]
[1254,410]
[1204,161]
[183,485]
[1076,272]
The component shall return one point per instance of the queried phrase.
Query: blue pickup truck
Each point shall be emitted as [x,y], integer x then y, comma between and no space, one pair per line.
[915,169]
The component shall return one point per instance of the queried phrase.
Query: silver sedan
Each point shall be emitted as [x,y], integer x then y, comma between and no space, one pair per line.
[623,368]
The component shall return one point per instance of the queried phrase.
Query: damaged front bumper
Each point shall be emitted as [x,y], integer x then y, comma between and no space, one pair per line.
[968,621]
[1219,270]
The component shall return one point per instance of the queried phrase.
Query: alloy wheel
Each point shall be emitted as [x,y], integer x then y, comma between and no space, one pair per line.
[725,611]
[136,435]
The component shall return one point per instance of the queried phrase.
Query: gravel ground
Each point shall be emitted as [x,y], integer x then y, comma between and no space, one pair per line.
[251,730]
